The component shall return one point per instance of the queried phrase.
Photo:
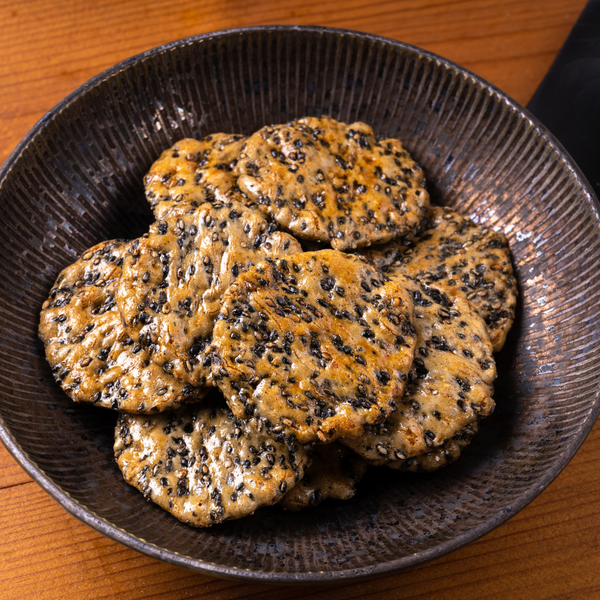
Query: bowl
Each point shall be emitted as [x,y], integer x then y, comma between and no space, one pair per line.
[76,179]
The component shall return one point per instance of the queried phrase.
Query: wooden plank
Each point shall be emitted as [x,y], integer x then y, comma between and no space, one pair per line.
[45,550]
[10,472]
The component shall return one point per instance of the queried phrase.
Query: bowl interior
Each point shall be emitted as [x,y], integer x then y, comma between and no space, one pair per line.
[77,179]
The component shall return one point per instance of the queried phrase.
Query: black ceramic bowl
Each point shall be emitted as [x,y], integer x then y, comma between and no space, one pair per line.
[76,179]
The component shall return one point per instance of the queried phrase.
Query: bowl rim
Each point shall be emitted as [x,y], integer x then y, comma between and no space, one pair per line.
[102,525]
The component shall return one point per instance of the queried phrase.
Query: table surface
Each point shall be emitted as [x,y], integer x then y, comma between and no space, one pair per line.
[49,47]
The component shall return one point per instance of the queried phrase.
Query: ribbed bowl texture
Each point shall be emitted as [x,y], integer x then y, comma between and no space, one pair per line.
[76,179]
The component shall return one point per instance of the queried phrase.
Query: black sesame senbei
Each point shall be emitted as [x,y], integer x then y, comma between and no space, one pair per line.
[192,172]
[91,355]
[205,466]
[440,456]
[332,182]
[174,278]
[316,344]
[333,473]
[468,259]
[450,385]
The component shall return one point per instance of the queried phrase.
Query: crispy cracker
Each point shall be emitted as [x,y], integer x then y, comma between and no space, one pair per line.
[332,182]
[174,277]
[450,384]
[192,172]
[467,259]
[319,344]
[333,473]
[205,466]
[90,353]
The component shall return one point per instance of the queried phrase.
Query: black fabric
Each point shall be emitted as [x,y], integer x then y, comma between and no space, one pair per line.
[568,99]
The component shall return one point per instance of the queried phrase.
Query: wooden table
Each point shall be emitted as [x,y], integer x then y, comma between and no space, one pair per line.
[48,48]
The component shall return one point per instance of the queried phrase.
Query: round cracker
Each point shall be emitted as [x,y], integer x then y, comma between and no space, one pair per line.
[319,344]
[333,473]
[174,278]
[205,466]
[90,353]
[192,172]
[467,259]
[441,456]
[332,182]
[385,256]
[450,385]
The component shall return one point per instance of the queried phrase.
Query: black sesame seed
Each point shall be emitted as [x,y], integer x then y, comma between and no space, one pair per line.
[327,283]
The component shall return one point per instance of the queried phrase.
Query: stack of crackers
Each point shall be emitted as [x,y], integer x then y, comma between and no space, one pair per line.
[297,312]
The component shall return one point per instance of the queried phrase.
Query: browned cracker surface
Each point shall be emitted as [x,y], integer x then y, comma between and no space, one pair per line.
[318,343]
[329,181]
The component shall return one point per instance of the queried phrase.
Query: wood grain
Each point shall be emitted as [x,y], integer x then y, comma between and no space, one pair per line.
[551,550]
